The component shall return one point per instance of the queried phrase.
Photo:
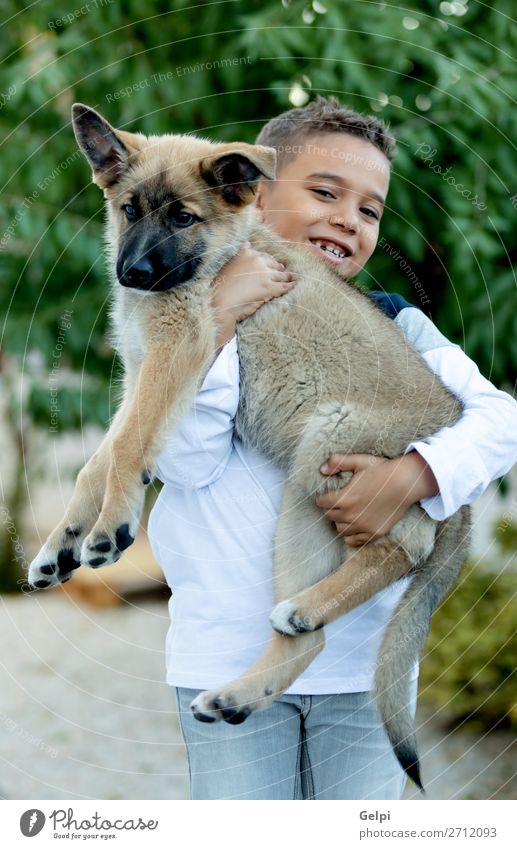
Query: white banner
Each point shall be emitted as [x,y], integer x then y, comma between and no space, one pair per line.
[346,824]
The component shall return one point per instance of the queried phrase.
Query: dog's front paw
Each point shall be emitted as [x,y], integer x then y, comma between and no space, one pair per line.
[290,619]
[52,567]
[102,547]
[213,706]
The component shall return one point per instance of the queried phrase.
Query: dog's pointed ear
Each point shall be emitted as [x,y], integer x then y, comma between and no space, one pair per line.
[234,171]
[106,149]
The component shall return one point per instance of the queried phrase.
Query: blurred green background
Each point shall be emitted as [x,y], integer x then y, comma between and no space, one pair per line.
[442,75]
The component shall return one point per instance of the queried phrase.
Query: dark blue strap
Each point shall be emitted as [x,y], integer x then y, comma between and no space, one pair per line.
[391,305]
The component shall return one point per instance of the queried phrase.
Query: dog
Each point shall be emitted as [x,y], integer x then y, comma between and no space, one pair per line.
[179,207]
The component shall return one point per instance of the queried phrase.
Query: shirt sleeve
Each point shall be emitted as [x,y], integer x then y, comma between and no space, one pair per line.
[482,445]
[197,452]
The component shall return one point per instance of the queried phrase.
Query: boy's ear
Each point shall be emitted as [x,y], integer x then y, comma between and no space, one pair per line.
[106,149]
[234,171]
[259,203]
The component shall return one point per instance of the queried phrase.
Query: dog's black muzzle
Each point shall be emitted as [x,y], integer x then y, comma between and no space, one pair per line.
[139,275]
[154,270]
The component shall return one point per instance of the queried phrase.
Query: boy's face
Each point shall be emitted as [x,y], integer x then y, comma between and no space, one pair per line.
[330,197]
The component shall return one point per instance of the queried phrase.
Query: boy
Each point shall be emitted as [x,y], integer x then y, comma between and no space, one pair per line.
[212,527]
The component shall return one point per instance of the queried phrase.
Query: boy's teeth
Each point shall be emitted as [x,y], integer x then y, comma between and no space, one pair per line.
[332,249]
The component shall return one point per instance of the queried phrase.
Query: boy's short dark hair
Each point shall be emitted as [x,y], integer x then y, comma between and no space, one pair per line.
[286,131]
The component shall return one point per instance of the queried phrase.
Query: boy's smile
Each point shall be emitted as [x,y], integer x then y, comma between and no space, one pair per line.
[330,197]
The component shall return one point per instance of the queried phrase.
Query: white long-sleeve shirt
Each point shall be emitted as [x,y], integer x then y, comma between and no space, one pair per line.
[212,526]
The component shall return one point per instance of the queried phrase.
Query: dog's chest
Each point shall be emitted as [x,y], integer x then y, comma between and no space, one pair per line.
[163,320]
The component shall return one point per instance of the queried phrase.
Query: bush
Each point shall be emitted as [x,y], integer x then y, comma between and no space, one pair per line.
[469,668]
[505,533]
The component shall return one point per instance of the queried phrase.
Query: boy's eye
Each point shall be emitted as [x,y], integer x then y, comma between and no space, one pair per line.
[371,213]
[130,211]
[324,193]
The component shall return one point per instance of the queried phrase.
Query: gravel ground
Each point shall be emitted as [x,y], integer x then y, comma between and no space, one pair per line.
[85,712]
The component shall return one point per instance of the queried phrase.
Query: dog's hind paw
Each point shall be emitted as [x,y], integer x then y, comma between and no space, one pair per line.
[204,709]
[212,707]
[51,567]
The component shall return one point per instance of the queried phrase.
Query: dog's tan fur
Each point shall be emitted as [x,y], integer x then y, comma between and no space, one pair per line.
[323,370]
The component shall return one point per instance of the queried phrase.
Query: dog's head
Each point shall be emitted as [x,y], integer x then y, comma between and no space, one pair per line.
[173,200]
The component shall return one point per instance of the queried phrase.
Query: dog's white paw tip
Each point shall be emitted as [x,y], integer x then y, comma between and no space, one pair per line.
[281,616]
[201,710]
[286,620]
[209,708]
[50,567]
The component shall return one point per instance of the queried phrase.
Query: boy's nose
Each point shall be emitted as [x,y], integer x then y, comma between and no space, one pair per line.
[348,221]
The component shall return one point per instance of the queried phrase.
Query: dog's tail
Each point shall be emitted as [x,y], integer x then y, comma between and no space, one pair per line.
[407,633]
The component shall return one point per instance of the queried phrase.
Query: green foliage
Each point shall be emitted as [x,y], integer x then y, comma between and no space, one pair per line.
[74,407]
[443,82]
[469,668]
[505,533]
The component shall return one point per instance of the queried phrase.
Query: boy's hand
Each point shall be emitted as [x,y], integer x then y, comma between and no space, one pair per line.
[378,494]
[246,282]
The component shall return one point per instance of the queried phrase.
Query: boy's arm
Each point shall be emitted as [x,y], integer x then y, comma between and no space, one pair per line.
[197,452]
[482,445]
[461,460]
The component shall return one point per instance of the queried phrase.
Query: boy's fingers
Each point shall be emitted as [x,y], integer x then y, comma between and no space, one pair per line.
[283,290]
[330,501]
[338,463]
[282,276]
[356,540]
[274,263]
[345,463]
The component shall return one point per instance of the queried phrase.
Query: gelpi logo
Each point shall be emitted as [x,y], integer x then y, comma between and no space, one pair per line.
[31,822]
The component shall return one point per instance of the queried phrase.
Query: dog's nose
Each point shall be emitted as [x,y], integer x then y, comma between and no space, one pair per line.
[139,274]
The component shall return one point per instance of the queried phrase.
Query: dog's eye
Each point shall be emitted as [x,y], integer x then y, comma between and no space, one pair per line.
[184,218]
[129,211]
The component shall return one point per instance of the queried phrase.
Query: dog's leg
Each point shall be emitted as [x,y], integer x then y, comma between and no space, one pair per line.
[282,662]
[166,383]
[306,548]
[365,572]
[57,560]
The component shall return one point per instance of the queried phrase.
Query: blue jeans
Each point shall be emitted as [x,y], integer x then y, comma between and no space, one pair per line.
[301,747]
